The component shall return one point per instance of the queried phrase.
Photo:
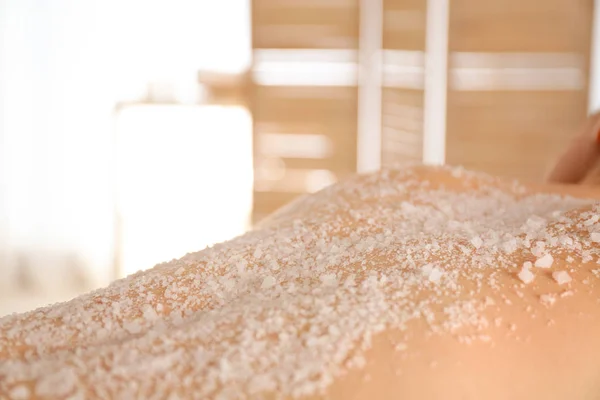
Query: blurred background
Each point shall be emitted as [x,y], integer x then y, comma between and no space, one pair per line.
[133,132]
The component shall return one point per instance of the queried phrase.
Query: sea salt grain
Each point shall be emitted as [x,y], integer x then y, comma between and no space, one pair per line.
[548,299]
[329,280]
[561,277]
[525,275]
[435,274]
[268,282]
[545,261]
[476,242]
[510,245]
[20,392]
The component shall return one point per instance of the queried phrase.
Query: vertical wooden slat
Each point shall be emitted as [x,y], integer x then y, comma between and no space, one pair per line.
[370,76]
[404,31]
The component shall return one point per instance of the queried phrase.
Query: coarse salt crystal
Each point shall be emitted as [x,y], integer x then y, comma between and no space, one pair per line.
[228,284]
[535,222]
[132,327]
[561,277]
[241,266]
[149,313]
[510,245]
[595,237]
[20,392]
[566,240]
[426,269]
[61,382]
[476,242]
[548,299]
[329,279]
[525,275]
[268,282]
[435,275]
[545,261]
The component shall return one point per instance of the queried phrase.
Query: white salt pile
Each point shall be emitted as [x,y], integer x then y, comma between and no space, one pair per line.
[289,307]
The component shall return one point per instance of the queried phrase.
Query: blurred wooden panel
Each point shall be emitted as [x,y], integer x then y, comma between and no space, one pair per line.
[511,133]
[518,78]
[327,111]
[404,24]
[520,25]
[294,105]
[529,110]
[341,159]
[304,86]
[404,30]
[285,24]
[402,122]
[225,89]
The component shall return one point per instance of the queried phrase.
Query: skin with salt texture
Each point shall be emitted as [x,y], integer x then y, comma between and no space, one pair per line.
[369,289]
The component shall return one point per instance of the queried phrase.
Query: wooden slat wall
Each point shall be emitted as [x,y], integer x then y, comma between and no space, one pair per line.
[517,86]
[303,109]
[299,24]
[510,122]
[404,27]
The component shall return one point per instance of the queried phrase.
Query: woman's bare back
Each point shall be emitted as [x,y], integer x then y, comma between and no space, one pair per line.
[422,283]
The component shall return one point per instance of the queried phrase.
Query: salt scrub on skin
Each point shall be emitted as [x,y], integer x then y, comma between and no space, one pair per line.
[292,305]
